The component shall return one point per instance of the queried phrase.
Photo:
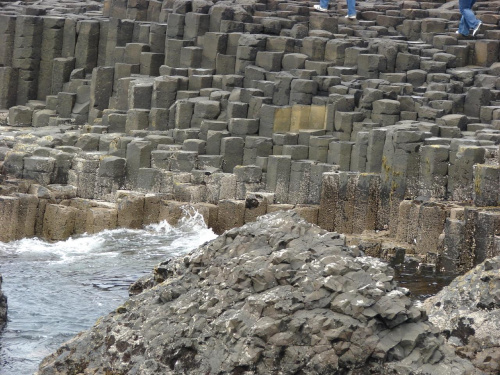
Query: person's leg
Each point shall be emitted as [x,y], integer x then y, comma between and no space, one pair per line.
[468,14]
[351,7]
[468,20]
[324,3]
[462,27]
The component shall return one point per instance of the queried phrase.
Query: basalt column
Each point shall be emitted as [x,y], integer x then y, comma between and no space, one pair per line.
[26,58]
[52,40]
[400,171]
[8,74]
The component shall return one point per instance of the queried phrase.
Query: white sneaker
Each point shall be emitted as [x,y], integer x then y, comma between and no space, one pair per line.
[477,28]
[350,17]
[320,9]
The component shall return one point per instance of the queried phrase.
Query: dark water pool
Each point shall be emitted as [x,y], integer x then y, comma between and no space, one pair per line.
[422,285]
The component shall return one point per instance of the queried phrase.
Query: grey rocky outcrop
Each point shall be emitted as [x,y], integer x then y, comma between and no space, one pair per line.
[277,296]
[468,313]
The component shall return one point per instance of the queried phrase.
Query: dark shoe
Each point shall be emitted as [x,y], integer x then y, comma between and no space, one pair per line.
[477,28]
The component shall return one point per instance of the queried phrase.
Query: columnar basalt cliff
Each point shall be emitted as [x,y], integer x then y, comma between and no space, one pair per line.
[389,122]
[384,128]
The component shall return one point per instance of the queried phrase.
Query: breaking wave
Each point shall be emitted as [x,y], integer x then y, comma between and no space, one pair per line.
[56,289]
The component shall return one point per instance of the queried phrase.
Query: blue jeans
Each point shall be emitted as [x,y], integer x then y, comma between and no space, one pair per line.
[468,20]
[351,6]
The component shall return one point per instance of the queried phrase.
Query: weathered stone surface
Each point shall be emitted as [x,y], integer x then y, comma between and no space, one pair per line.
[467,312]
[259,300]
[59,221]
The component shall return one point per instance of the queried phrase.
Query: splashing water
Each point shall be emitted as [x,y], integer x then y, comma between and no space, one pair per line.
[57,289]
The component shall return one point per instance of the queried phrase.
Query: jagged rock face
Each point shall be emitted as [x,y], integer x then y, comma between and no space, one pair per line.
[3,306]
[468,313]
[277,296]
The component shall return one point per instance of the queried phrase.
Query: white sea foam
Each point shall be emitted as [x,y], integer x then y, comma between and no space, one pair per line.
[35,246]
[57,289]
[189,233]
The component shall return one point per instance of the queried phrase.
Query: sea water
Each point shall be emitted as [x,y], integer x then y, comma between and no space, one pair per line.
[56,290]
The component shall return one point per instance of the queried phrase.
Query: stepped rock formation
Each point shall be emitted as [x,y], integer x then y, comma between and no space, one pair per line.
[468,313]
[385,128]
[275,296]
[386,123]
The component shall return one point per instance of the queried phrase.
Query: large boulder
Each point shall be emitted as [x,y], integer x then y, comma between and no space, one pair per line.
[468,313]
[277,296]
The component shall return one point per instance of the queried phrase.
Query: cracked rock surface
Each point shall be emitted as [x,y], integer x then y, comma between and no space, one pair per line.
[276,296]
[468,313]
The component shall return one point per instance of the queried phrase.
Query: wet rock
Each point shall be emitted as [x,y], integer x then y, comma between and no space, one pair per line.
[467,312]
[277,295]
[3,306]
